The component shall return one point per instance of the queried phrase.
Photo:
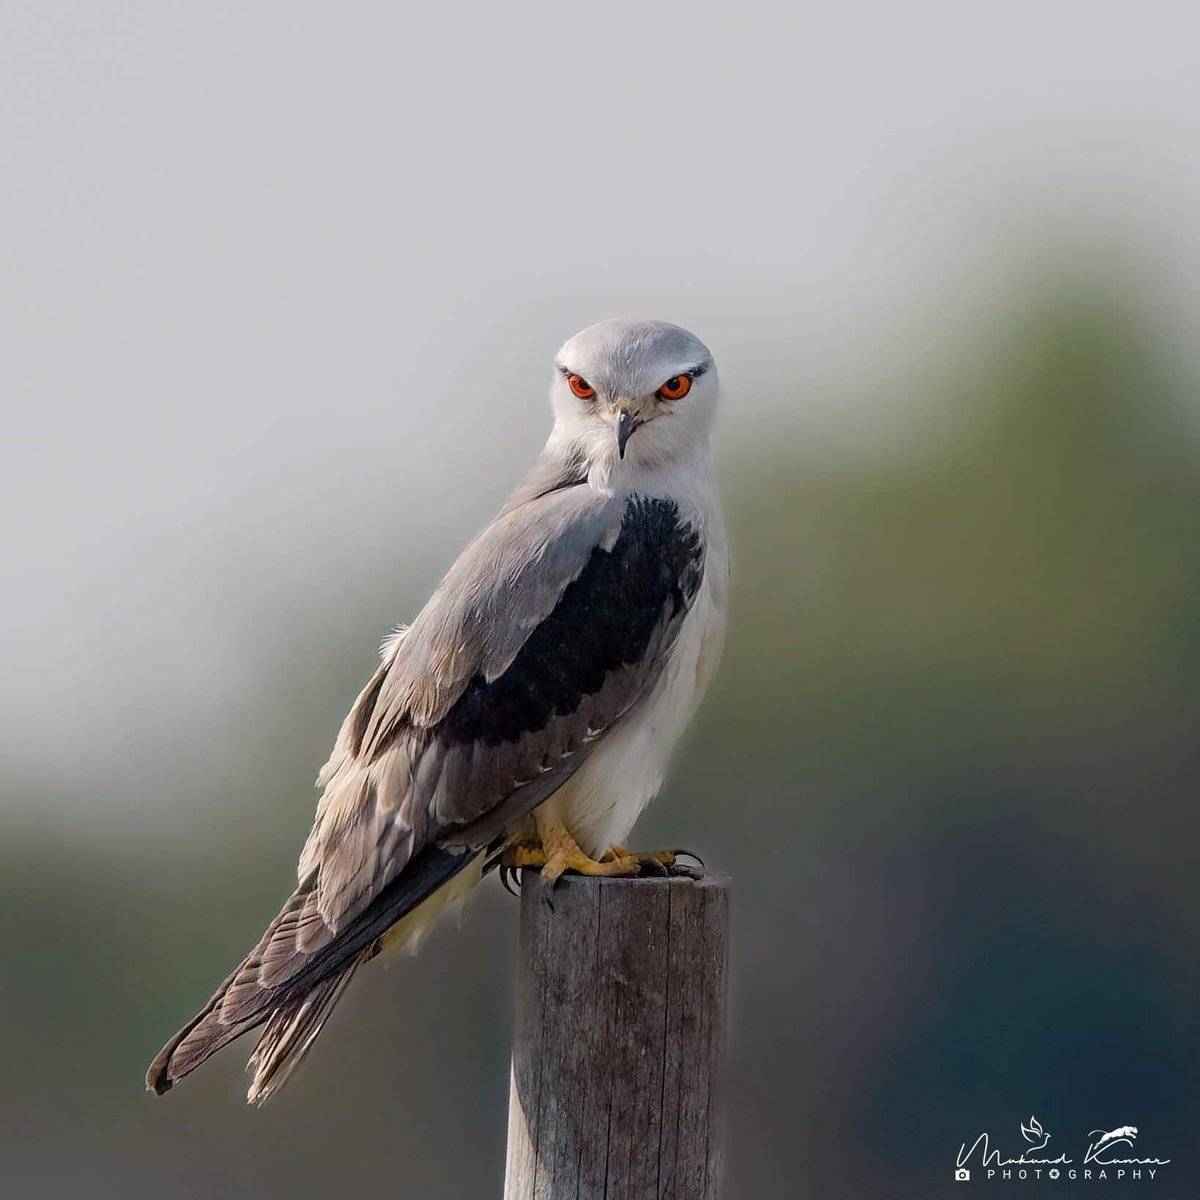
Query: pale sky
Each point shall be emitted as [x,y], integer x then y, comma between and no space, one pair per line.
[280,283]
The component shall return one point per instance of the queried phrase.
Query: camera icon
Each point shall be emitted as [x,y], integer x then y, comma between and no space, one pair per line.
[962,1173]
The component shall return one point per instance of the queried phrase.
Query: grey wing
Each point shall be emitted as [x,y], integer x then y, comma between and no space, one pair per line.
[544,633]
[541,637]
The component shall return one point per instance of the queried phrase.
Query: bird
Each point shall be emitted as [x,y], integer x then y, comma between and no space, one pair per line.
[525,717]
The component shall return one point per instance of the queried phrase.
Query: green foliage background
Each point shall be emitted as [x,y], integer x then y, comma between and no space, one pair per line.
[950,761]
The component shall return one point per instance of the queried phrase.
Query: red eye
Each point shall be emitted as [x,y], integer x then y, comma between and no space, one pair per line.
[581,387]
[675,388]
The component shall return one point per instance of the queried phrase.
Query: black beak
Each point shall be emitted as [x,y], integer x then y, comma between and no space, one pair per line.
[626,424]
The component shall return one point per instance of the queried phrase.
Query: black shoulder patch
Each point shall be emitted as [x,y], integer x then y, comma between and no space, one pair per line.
[604,621]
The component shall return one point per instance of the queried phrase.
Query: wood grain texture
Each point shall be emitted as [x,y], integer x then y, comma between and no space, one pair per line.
[622,994]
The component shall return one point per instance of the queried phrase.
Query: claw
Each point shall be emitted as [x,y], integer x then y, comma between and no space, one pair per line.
[508,876]
[688,854]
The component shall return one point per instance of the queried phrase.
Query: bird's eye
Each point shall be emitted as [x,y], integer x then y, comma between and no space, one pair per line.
[581,387]
[675,388]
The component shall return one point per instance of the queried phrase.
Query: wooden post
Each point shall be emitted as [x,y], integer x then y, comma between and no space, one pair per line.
[620,1036]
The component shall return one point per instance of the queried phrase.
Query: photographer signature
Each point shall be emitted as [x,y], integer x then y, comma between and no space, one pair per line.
[1101,1150]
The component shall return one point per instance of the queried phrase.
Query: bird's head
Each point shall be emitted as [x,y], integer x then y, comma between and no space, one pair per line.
[638,393]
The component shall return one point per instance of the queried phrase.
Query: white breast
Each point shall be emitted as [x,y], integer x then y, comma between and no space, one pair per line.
[601,802]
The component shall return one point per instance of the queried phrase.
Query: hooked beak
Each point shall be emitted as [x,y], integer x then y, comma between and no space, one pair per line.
[626,424]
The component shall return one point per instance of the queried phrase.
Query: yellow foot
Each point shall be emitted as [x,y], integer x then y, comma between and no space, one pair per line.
[569,857]
[524,854]
[652,862]
[565,858]
[557,852]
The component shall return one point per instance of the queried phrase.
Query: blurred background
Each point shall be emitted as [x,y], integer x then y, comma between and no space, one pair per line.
[281,285]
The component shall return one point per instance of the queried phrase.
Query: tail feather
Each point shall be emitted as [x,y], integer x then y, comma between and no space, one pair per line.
[291,1030]
[219,1022]
[291,984]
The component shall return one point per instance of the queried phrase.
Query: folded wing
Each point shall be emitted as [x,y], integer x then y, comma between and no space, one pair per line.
[543,634]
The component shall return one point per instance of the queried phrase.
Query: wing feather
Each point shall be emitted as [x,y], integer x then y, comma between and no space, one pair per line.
[543,635]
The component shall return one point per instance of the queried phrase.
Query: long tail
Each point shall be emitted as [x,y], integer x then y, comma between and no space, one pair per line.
[295,975]
[291,1030]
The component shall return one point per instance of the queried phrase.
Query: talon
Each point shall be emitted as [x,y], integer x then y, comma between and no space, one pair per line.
[665,863]
[519,856]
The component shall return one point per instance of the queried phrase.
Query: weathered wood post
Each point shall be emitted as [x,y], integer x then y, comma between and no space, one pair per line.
[620,1037]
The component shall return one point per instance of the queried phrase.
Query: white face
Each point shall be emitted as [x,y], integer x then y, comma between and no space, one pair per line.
[638,393]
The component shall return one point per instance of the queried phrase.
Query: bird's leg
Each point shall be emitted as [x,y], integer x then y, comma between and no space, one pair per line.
[560,851]
[557,852]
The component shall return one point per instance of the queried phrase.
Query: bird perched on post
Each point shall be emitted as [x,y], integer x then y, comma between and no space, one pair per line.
[524,718]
